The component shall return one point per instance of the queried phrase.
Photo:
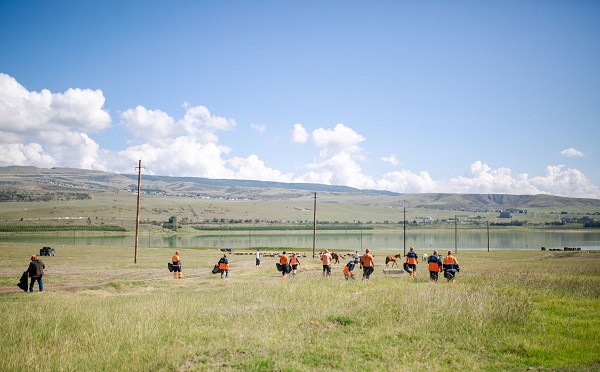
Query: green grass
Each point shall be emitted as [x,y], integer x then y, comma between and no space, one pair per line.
[508,311]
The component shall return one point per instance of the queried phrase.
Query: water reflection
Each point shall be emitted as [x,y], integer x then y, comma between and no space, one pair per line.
[351,241]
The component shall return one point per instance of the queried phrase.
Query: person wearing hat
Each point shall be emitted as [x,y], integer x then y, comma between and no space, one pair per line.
[36,272]
[176,265]
[412,259]
[224,266]
[450,264]
[435,266]
[367,264]
[326,259]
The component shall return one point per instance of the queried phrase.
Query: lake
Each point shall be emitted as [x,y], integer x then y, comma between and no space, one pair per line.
[423,240]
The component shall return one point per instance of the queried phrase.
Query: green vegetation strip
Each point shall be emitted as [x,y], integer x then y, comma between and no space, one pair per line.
[281,228]
[46,228]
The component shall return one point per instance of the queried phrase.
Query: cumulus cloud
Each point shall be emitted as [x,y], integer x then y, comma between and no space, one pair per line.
[391,159]
[572,153]
[252,168]
[339,139]
[299,134]
[23,113]
[153,126]
[48,129]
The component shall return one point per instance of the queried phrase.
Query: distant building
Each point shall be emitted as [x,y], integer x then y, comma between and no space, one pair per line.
[504,214]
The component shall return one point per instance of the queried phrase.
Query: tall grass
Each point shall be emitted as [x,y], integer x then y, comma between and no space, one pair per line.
[508,311]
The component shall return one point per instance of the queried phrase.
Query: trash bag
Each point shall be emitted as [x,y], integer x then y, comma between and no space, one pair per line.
[407,269]
[279,266]
[23,282]
[215,269]
[288,269]
[170,266]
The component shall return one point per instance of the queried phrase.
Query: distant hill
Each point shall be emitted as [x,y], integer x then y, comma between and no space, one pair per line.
[42,180]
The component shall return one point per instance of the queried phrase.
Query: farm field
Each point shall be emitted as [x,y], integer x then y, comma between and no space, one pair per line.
[509,310]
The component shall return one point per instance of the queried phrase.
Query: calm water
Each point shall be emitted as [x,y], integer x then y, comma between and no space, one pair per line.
[354,240]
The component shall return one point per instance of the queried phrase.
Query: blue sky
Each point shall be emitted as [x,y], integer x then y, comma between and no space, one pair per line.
[406,96]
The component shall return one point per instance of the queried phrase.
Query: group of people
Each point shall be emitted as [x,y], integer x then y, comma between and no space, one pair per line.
[366,261]
[287,265]
[435,265]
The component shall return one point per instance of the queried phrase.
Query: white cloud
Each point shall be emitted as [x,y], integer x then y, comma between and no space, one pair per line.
[48,129]
[23,114]
[154,126]
[299,134]
[259,128]
[404,181]
[339,169]
[572,153]
[340,138]
[252,168]
[391,159]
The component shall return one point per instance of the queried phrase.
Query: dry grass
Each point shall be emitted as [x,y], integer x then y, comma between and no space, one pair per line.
[508,311]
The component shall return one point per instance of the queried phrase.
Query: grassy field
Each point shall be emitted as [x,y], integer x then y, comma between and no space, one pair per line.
[524,310]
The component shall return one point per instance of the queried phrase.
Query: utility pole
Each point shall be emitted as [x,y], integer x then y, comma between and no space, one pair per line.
[487,225]
[455,235]
[404,231]
[314,225]
[137,217]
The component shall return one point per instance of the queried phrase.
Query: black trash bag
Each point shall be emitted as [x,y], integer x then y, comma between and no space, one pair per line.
[23,282]
[279,266]
[170,266]
[215,269]
[406,268]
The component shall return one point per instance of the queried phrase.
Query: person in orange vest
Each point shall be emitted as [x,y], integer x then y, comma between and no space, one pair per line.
[367,264]
[176,265]
[294,262]
[450,264]
[349,269]
[326,259]
[412,259]
[435,266]
[224,266]
[283,261]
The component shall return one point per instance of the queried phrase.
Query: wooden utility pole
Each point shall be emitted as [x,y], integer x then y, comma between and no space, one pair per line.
[137,217]
[487,225]
[455,235]
[404,231]
[314,225]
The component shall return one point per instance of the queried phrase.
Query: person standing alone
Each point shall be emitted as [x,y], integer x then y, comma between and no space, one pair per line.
[326,259]
[257,254]
[224,266]
[36,272]
[176,265]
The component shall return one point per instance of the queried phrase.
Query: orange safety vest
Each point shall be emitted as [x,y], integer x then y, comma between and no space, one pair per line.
[450,260]
[366,260]
[283,259]
[294,260]
[175,260]
[434,265]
